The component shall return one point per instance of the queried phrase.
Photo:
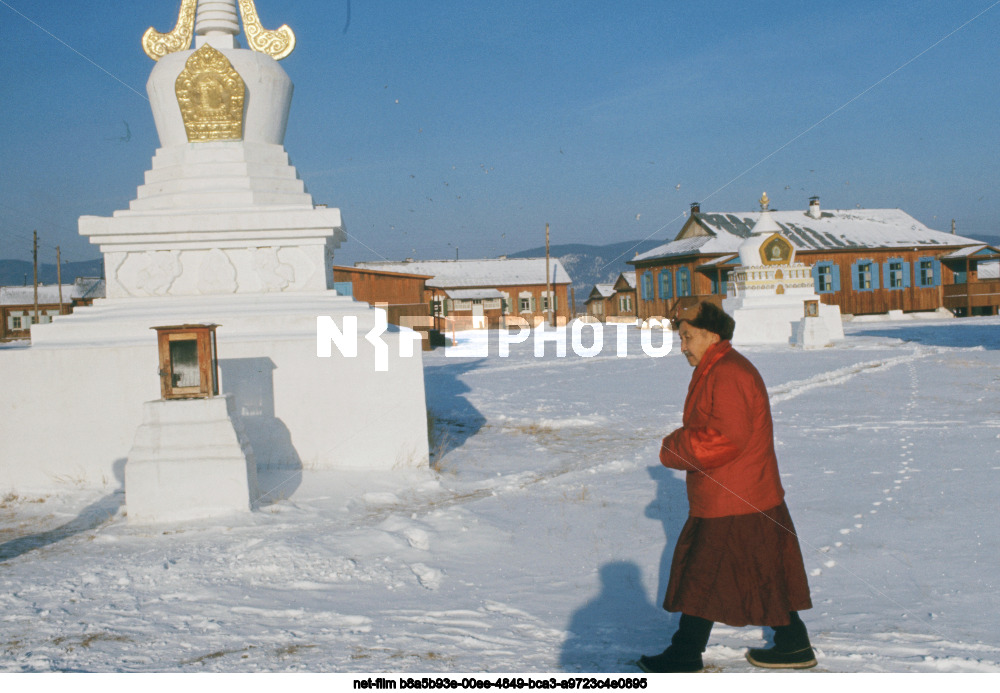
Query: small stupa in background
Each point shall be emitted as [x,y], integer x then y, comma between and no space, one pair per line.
[223,232]
[772,297]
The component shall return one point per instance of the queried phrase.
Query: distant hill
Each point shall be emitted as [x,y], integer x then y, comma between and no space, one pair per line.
[20,273]
[593,264]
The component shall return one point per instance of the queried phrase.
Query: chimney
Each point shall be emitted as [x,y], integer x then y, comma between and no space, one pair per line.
[695,208]
[814,207]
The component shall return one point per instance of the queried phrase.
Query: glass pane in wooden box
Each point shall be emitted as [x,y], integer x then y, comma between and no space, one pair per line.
[184,363]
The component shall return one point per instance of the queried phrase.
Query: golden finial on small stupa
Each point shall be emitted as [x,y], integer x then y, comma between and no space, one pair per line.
[764,202]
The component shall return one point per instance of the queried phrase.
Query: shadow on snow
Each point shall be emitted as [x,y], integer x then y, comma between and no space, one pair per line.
[953,334]
[608,633]
[451,418]
[89,518]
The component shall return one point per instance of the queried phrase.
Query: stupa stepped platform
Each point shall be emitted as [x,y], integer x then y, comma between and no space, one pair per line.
[220,175]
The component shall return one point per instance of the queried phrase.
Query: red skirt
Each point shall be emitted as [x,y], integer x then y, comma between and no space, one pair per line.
[740,570]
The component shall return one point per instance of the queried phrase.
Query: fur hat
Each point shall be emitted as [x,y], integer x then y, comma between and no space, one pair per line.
[707,316]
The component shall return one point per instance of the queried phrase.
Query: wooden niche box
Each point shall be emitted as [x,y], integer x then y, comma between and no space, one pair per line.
[189,363]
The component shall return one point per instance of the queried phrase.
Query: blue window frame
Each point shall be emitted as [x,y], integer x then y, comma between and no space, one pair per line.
[928,271]
[826,277]
[895,274]
[646,280]
[683,282]
[864,275]
[666,284]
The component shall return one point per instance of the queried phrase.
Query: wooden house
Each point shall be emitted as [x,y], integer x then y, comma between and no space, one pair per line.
[625,304]
[975,285]
[463,294]
[863,260]
[600,302]
[17,304]
[401,293]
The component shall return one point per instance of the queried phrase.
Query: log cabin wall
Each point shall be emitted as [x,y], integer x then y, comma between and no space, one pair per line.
[703,283]
[881,296]
[382,287]
[685,286]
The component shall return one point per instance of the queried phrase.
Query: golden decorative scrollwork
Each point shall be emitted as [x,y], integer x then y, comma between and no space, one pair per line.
[278,43]
[158,45]
[210,94]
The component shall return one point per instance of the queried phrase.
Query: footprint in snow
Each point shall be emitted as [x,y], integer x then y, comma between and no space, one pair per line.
[429,578]
[417,538]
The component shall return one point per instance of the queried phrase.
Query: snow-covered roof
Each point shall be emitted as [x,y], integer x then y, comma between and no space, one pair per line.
[839,229]
[721,260]
[628,277]
[48,294]
[969,251]
[473,294]
[603,291]
[471,273]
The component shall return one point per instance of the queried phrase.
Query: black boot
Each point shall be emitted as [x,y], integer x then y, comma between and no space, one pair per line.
[791,648]
[684,653]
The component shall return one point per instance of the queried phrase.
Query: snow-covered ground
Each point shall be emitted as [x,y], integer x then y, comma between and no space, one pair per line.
[541,540]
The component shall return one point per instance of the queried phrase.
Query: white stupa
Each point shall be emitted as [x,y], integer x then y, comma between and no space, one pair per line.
[222,231]
[769,290]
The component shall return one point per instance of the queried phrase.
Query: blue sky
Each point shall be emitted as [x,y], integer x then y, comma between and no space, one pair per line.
[471,124]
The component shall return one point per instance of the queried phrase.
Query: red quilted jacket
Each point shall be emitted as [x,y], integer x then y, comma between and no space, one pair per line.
[727,442]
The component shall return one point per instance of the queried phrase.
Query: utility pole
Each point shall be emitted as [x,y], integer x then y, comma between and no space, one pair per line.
[34,254]
[548,277]
[59,279]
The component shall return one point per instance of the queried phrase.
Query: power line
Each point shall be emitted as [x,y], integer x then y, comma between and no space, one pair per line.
[812,127]
[89,60]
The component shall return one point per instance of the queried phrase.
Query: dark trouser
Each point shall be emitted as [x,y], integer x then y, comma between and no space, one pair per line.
[793,637]
[692,635]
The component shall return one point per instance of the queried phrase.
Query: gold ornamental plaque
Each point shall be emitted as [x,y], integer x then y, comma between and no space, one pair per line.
[210,94]
[776,250]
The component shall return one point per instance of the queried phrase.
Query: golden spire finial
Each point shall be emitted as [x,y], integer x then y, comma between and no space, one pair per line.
[764,202]
[278,43]
[158,45]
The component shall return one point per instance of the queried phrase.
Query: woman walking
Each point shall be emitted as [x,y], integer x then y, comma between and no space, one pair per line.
[737,560]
